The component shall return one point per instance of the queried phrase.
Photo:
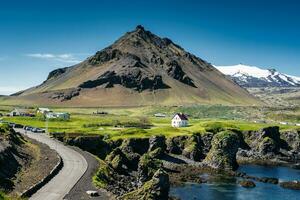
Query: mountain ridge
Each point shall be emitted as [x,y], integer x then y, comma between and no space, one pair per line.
[142,68]
[252,76]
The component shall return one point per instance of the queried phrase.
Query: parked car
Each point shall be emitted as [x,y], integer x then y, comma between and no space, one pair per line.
[38,130]
[28,128]
[11,125]
[18,126]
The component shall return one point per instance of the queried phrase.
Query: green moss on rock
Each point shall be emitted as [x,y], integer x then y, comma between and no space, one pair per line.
[148,165]
[222,154]
[104,175]
[155,189]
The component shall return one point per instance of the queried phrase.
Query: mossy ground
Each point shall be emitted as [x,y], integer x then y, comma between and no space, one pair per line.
[139,121]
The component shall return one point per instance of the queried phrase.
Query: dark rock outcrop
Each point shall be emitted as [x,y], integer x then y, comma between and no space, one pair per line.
[148,165]
[155,189]
[293,185]
[56,73]
[268,146]
[157,146]
[175,71]
[12,156]
[135,79]
[118,161]
[193,148]
[93,144]
[105,55]
[175,145]
[222,154]
[67,95]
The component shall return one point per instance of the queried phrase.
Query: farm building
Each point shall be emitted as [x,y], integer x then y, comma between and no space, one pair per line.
[43,110]
[20,112]
[159,115]
[63,116]
[179,120]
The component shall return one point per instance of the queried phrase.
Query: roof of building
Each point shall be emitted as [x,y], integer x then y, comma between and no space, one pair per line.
[181,116]
[20,110]
[44,109]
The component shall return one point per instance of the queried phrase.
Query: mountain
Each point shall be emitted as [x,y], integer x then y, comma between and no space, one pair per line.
[140,68]
[251,76]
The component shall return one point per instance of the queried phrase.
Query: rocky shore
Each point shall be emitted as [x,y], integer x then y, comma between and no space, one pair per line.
[146,167]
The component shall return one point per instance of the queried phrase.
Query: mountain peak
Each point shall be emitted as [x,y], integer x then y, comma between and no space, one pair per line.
[252,76]
[142,68]
[139,28]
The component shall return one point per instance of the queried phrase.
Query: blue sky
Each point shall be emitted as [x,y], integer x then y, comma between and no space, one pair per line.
[39,36]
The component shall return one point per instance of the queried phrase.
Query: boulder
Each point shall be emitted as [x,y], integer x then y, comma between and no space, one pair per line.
[92,193]
[222,154]
[293,185]
[155,189]
[247,184]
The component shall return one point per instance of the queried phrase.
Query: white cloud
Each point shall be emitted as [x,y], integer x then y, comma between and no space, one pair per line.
[8,90]
[68,58]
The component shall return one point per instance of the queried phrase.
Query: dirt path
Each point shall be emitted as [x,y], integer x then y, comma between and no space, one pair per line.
[85,183]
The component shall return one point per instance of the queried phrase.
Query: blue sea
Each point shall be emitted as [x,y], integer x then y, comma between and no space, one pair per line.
[231,190]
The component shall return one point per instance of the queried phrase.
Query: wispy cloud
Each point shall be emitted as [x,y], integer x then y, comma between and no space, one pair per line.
[68,58]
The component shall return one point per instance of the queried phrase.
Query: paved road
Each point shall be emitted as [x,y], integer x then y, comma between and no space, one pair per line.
[74,167]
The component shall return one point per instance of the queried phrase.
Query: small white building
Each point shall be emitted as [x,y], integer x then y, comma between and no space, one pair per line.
[179,120]
[159,115]
[43,110]
[283,123]
[53,115]
[19,112]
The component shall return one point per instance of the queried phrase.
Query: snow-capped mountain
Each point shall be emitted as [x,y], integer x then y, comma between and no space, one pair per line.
[251,76]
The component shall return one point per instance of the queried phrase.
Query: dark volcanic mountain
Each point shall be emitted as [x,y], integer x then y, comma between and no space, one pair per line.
[140,68]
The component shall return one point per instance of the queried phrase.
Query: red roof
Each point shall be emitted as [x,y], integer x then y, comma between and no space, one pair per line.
[181,116]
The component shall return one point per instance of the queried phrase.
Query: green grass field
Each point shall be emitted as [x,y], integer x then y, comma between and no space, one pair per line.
[128,122]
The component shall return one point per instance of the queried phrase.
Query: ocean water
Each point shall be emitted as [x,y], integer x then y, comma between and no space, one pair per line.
[231,190]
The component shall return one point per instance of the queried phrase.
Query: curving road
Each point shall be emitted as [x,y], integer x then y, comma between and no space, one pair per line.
[74,167]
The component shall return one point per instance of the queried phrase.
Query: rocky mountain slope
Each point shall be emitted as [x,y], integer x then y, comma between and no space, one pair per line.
[251,76]
[140,68]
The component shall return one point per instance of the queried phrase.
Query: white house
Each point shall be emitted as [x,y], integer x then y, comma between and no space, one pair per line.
[43,110]
[52,115]
[19,112]
[179,120]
